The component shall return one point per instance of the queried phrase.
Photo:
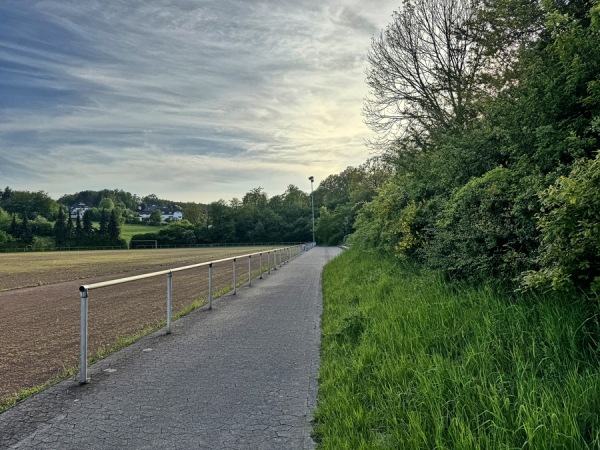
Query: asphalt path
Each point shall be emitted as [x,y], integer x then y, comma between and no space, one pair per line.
[240,376]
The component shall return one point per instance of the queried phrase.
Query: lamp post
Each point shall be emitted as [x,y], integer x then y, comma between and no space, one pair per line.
[312,201]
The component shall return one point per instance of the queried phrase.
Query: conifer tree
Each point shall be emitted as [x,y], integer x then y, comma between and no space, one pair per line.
[114,229]
[88,229]
[69,230]
[26,231]
[60,228]
[14,227]
[103,223]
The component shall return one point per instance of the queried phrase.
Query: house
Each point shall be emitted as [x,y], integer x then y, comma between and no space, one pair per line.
[167,213]
[78,209]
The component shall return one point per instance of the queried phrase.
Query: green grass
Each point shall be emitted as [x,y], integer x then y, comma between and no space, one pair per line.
[24,393]
[130,229]
[408,361]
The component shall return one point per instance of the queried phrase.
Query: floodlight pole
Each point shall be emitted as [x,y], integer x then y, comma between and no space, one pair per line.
[312,201]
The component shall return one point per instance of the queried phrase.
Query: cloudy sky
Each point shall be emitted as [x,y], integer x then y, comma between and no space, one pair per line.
[192,100]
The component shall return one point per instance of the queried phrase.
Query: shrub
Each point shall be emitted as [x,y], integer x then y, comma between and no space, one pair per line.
[570,225]
[488,227]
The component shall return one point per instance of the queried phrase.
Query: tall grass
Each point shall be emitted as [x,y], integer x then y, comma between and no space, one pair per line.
[409,361]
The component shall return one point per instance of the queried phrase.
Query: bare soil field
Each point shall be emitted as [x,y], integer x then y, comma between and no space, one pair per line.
[40,307]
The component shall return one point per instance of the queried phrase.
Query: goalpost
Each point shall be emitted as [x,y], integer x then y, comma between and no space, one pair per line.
[143,240]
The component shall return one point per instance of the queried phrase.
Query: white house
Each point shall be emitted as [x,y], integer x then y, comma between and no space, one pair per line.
[167,213]
[78,209]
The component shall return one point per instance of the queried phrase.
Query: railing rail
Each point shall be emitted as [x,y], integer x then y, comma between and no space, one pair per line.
[285,254]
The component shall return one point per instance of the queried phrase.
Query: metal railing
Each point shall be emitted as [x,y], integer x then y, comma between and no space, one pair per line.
[275,257]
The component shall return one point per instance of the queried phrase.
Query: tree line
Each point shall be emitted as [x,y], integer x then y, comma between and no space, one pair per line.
[255,218]
[33,219]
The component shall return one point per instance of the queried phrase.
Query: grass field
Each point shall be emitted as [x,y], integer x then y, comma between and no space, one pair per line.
[409,361]
[130,229]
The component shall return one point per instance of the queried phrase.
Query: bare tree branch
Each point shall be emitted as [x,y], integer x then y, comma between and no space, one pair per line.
[424,69]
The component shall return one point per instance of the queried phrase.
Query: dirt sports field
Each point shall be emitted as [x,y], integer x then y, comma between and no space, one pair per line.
[40,306]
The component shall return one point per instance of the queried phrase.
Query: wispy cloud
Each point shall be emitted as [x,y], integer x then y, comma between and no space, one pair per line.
[193,100]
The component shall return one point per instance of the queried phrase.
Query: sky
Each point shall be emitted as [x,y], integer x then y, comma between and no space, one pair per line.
[190,100]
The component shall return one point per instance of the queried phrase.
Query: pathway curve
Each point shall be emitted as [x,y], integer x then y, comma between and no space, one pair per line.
[242,376]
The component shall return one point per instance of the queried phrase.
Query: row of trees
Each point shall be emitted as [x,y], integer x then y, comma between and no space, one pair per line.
[255,218]
[81,232]
[487,115]
[33,218]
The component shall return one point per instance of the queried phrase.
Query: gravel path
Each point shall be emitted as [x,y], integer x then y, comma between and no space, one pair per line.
[242,376]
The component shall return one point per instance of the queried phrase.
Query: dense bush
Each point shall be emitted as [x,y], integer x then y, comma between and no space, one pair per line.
[570,226]
[487,227]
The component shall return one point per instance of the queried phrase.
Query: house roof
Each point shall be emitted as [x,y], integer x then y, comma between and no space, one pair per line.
[163,209]
[79,205]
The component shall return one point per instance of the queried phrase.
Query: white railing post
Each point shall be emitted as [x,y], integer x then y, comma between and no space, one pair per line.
[84,332]
[260,269]
[269,261]
[169,300]
[210,289]
[234,278]
[249,270]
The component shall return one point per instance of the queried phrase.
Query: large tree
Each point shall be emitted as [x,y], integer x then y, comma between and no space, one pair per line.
[425,70]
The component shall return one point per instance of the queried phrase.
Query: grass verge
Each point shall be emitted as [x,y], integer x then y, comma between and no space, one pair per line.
[408,361]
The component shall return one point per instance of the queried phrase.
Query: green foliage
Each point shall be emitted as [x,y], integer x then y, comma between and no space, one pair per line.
[194,213]
[106,203]
[155,217]
[5,220]
[570,226]
[31,203]
[60,228]
[339,198]
[408,361]
[26,233]
[474,200]
[5,239]
[42,227]
[388,221]
[113,229]
[486,228]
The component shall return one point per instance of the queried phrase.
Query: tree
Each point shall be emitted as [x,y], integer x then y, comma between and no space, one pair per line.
[194,213]
[114,229]
[14,227]
[424,70]
[103,223]
[33,203]
[26,232]
[60,228]
[5,219]
[155,217]
[6,194]
[88,229]
[255,198]
[69,230]
[106,203]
